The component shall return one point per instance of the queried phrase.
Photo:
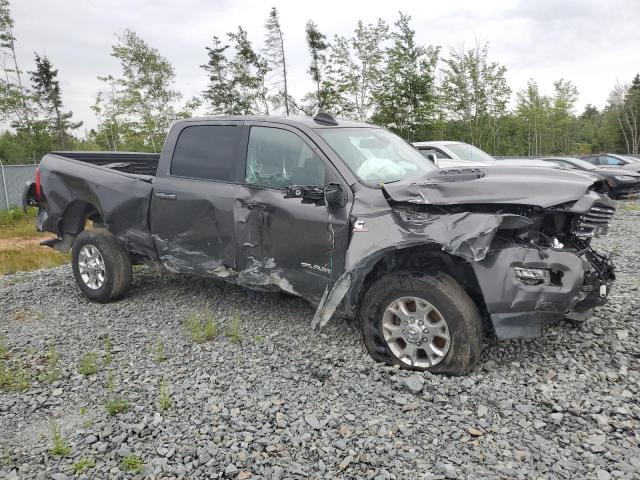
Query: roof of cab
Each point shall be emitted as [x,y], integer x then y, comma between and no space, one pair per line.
[295,120]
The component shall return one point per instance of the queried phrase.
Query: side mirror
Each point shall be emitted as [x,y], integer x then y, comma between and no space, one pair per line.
[334,195]
[433,159]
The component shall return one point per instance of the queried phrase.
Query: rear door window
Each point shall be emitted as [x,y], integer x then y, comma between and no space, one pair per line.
[279,158]
[607,160]
[207,152]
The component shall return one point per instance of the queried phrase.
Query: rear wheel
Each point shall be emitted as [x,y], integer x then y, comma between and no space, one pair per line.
[421,321]
[101,267]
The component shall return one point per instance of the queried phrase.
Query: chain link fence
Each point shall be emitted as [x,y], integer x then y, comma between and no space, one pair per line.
[12,181]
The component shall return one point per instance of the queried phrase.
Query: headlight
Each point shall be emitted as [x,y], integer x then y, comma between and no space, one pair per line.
[625,178]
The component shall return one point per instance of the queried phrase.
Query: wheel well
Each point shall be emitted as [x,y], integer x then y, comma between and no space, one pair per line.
[425,258]
[75,218]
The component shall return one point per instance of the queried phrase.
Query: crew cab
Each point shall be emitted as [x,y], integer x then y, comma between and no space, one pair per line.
[346,215]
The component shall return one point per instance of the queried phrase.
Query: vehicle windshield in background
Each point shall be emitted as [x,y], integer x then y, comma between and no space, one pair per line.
[375,155]
[583,164]
[469,153]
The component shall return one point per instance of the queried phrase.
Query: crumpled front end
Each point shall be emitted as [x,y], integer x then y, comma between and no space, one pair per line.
[533,263]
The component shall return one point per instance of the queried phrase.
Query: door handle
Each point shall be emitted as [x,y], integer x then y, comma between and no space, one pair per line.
[166,196]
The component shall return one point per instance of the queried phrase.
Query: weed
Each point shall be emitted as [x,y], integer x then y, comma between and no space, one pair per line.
[15,378]
[202,327]
[234,332]
[258,339]
[52,360]
[115,406]
[132,463]
[110,382]
[83,411]
[60,447]
[159,354]
[88,364]
[83,464]
[4,348]
[107,346]
[165,401]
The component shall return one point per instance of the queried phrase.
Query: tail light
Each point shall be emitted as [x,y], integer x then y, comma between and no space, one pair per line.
[38,188]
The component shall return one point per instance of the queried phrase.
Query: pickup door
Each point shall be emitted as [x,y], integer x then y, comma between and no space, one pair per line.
[223,206]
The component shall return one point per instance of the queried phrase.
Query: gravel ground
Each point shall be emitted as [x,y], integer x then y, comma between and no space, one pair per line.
[269,398]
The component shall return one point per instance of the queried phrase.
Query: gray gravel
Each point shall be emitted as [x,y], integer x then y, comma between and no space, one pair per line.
[286,402]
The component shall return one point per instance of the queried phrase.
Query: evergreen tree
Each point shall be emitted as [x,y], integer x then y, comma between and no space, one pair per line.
[219,92]
[275,57]
[248,70]
[317,44]
[47,93]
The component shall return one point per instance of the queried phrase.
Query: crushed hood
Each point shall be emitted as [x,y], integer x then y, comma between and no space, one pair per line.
[509,185]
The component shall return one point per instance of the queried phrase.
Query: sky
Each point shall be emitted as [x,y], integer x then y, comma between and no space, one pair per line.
[592,43]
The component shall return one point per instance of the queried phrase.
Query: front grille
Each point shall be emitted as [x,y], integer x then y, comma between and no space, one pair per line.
[595,222]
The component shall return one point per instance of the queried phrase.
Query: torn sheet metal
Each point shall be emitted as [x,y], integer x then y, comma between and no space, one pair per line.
[466,235]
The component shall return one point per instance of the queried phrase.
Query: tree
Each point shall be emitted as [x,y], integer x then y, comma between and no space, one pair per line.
[405,97]
[248,70]
[47,93]
[532,110]
[624,104]
[317,44]
[275,57]
[142,99]
[563,120]
[355,68]
[219,93]
[475,92]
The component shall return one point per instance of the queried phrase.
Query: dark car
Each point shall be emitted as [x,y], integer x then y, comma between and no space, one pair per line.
[346,215]
[613,160]
[621,182]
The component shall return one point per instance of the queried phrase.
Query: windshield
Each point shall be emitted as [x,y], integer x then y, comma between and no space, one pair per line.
[581,164]
[375,155]
[469,153]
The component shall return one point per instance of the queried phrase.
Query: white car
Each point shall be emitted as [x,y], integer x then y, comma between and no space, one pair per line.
[450,154]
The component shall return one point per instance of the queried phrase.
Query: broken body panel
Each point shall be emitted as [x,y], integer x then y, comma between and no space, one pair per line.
[482,223]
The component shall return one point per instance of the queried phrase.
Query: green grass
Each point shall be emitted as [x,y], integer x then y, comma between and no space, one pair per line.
[115,406]
[18,223]
[110,383]
[19,249]
[59,447]
[83,464]
[88,364]
[132,463]
[30,257]
[201,327]
[234,331]
[629,207]
[164,400]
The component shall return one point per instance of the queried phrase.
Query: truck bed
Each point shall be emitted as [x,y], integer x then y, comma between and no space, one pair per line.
[128,162]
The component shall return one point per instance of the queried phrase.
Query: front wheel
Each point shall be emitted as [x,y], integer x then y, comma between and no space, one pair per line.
[421,321]
[101,267]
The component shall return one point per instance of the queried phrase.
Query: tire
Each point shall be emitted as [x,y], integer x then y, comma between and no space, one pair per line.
[458,345]
[115,267]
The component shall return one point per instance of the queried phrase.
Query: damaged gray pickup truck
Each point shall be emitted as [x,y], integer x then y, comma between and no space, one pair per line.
[346,215]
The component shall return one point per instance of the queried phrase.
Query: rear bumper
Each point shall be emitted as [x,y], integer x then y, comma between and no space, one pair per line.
[519,310]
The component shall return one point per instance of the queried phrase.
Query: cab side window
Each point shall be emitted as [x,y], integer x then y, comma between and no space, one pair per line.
[206,152]
[279,158]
